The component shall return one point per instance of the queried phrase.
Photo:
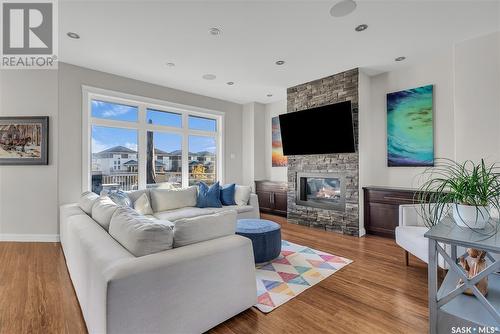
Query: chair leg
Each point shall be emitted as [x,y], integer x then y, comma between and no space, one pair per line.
[407,260]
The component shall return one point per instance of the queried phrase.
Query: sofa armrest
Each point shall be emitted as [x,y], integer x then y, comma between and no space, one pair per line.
[254,200]
[187,289]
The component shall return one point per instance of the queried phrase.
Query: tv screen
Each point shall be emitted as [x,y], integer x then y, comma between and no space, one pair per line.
[321,130]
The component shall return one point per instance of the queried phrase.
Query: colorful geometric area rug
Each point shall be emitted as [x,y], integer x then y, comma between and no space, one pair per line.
[296,269]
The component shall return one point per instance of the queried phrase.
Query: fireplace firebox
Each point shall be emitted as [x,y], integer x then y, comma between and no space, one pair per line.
[321,190]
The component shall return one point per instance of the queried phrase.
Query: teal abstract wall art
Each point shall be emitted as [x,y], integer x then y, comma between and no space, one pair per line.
[410,138]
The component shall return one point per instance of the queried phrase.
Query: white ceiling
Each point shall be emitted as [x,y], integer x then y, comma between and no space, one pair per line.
[136,38]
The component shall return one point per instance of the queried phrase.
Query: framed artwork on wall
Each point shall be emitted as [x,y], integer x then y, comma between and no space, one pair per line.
[410,129]
[278,159]
[24,140]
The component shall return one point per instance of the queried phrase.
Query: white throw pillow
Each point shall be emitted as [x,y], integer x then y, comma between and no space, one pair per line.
[169,199]
[242,194]
[193,230]
[135,194]
[102,211]
[87,200]
[140,235]
[142,205]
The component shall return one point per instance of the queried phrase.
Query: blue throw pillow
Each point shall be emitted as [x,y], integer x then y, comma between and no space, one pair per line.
[208,197]
[227,194]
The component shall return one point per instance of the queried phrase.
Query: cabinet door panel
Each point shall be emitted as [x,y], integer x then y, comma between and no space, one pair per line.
[265,200]
[383,218]
[280,202]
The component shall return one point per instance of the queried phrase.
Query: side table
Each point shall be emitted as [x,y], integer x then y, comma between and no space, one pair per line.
[448,307]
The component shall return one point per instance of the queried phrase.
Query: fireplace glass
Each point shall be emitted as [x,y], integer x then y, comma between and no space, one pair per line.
[321,191]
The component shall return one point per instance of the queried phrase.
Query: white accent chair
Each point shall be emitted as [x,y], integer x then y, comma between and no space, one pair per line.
[410,235]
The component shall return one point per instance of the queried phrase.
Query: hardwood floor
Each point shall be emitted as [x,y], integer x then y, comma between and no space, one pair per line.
[36,294]
[375,294]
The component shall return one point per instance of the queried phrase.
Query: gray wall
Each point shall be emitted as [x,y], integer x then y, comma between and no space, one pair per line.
[254,142]
[28,194]
[71,79]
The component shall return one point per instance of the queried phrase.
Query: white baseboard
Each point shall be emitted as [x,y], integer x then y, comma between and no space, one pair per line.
[30,237]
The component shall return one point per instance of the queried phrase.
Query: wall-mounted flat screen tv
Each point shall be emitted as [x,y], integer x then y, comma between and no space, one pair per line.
[320,130]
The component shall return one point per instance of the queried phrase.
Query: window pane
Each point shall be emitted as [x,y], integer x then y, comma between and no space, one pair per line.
[115,111]
[158,117]
[202,159]
[114,159]
[200,123]
[167,168]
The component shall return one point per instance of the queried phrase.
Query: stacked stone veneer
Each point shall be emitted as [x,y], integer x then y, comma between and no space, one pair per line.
[336,88]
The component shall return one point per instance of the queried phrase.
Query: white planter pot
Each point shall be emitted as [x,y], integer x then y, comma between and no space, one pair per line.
[470,216]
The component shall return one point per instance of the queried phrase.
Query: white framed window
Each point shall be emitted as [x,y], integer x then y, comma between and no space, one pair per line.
[132,142]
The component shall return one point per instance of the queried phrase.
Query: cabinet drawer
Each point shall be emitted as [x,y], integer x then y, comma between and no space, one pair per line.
[271,186]
[390,197]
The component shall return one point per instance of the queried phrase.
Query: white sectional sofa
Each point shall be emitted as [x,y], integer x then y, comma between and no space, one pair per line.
[188,289]
[185,208]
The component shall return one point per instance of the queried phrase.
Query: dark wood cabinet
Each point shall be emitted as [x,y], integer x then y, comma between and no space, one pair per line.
[272,197]
[381,208]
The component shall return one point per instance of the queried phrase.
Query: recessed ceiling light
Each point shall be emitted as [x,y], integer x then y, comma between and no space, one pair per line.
[73,35]
[229,83]
[400,58]
[269,95]
[343,8]
[214,31]
[209,76]
[170,64]
[280,62]
[361,27]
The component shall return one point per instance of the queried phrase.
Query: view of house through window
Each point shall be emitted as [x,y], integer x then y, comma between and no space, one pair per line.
[202,159]
[116,159]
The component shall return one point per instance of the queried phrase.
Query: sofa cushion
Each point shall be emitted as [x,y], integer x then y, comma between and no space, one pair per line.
[208,197]
[192,230]
[87,200]
[242,194]
[237,208]
[169,199]
[140,235]
[102,211]
[227,194]
[142,205]
[189,212]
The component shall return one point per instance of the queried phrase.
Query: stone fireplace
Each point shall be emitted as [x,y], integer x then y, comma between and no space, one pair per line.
[323,189]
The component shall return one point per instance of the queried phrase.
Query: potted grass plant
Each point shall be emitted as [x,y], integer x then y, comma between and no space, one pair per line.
[469,190]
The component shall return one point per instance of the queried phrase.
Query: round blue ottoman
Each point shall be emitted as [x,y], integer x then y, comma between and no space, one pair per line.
[265,236]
